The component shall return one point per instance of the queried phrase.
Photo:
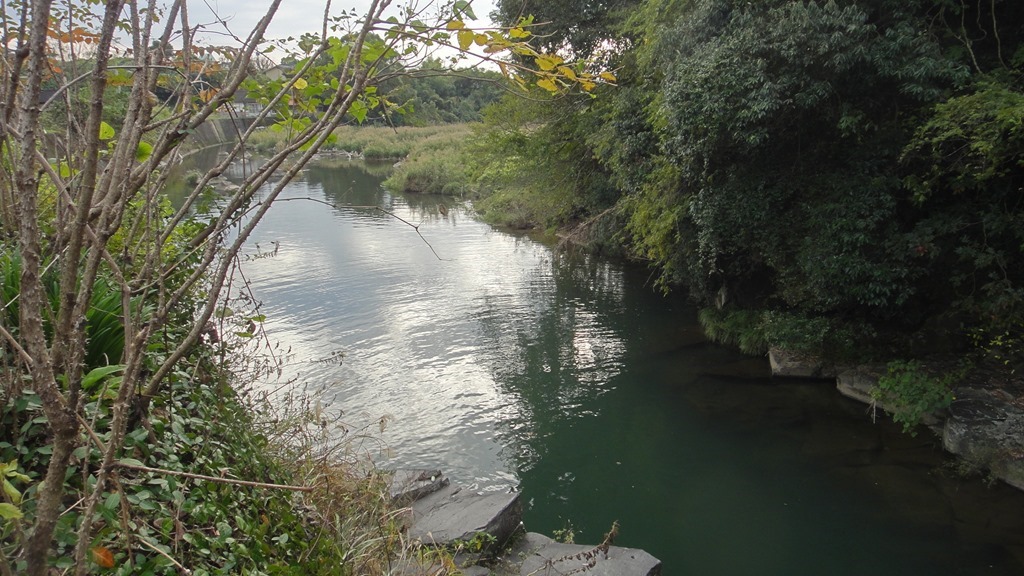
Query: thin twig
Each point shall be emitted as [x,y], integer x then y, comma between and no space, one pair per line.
[215,479]
[89,431]
[164,554]
[17,347]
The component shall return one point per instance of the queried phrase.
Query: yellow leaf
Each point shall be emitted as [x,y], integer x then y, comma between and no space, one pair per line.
[518,32]
[587,85]
[567,72]
[548,61]
[608,76]
[466,39]
[480,39]
[547,84]
[300,84]
[456,25]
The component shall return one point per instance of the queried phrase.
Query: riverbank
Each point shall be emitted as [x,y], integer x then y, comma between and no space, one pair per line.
[982,423]
[213,481]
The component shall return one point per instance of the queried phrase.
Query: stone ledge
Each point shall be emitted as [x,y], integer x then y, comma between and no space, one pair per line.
[795,365]
[538,554]
[987,430]
[441,514]
[451,515]
[859,382]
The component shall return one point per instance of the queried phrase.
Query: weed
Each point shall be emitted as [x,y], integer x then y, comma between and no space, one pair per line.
[913,392]
[566,534]
[735,327]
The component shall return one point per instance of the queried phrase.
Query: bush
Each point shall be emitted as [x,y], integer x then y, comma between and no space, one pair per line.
[438,163]
[735,327]
[914,392]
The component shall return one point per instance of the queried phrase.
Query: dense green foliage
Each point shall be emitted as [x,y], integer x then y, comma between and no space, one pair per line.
[155,521]
[828,174]
[579,26]
[913,393]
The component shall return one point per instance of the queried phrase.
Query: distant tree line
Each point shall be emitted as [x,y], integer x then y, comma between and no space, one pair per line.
[430,92]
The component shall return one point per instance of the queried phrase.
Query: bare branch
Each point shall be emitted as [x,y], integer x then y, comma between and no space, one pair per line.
[214,479]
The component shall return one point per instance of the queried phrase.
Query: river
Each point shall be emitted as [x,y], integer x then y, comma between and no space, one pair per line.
[511,365]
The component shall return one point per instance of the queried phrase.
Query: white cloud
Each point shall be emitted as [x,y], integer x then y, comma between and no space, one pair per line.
[296,17]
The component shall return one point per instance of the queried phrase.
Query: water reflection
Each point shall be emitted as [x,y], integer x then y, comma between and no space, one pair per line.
[507,364]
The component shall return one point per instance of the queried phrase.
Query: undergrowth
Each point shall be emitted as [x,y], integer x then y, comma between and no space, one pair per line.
[439,163]
[913,392]
[212,478]
[211,482]
[372,142]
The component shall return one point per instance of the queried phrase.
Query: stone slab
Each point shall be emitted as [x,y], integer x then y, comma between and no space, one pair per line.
[987,430]
[794,365]
[452,514]
[858,383]
[539,555]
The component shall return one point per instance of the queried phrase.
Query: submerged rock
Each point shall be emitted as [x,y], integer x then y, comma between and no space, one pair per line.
[409,485]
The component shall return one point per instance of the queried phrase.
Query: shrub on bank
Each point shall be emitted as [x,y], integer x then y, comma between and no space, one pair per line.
[209,480]
[439,163]
[206,485]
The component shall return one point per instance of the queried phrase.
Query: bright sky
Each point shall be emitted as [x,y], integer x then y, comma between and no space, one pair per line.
[295,17]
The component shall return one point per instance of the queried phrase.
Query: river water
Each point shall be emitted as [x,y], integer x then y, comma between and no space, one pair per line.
[567,377]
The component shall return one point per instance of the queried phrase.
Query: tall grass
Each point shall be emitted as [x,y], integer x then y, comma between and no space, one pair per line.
[372,142]
[377,142]
[438,163]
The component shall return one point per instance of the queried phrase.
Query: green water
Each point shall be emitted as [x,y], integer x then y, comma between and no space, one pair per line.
[568,377]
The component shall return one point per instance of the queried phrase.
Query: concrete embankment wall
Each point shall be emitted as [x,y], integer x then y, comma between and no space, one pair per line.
[221,129]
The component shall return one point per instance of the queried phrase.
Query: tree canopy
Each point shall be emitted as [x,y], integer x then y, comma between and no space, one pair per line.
[833,175]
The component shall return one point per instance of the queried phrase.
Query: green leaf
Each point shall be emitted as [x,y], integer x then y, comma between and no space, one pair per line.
[144,151]
[462,7]
[96,375]
[112,501]
[106,131]
[131,462]
[64,169]
[12,492]
[359,111]
[10,511]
